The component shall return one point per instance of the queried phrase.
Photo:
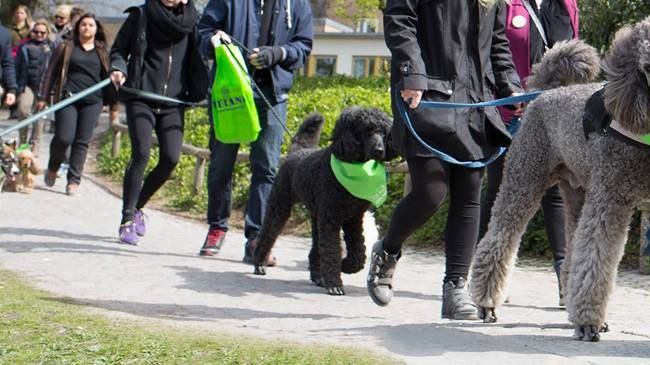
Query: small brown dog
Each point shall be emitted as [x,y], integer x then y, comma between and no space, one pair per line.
[28,168]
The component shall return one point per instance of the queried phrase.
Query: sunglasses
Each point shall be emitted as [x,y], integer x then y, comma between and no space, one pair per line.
[36,32]
[60,17]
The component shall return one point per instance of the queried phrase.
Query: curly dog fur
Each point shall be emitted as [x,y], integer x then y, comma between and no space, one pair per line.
[360,134]
[601,178]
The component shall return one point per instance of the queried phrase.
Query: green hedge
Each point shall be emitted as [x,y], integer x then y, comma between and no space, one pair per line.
[329,96]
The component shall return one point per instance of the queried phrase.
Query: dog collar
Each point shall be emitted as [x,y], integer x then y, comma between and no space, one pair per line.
[364,180]
[643,139]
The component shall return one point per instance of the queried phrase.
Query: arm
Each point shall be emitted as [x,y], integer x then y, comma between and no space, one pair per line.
[8,70]
[299,46]
[121,49]
[505,75]
[51,75]
[400,32]
[212,20]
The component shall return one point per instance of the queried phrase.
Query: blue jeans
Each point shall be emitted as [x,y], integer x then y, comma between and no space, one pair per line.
[264,158]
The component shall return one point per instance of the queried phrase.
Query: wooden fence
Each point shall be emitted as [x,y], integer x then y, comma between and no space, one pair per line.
[202,155]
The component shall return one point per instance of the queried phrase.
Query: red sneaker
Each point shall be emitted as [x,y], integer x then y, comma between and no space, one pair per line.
[213,242]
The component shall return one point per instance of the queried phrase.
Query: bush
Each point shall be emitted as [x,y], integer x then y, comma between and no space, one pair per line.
[329,96]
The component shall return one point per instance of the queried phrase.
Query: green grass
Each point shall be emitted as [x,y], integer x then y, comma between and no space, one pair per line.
[35,328]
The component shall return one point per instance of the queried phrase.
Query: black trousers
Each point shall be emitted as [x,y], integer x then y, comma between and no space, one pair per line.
[73,127]
[142,119]
[552,206]
[432,179]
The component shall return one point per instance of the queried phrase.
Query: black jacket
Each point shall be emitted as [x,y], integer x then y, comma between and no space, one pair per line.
[32,60]
[7,71]
[132,44]
[457,51]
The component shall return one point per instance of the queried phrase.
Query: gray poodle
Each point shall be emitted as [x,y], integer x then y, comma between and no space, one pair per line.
[360,134]
[602,176]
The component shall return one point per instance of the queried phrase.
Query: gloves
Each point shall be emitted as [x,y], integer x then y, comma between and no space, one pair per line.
[266,57]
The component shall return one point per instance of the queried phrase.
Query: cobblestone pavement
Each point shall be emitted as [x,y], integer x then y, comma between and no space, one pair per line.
[68,246]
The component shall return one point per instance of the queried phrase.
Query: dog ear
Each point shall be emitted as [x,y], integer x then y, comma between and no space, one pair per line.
[34,169]
[345,145]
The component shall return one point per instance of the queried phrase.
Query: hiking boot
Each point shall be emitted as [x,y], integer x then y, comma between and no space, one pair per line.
[380,274]
[71,189]
[249,255]
[456,302]
[213,242]
[128,235]
[50,178]
[139,219]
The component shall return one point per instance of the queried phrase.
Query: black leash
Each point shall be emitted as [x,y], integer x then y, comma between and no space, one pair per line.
[257,88]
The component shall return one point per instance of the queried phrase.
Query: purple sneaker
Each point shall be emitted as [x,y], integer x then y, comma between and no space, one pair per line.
[139,219]
[128,235]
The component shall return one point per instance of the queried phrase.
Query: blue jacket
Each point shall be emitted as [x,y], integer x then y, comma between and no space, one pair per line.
[7,70]
[238,19]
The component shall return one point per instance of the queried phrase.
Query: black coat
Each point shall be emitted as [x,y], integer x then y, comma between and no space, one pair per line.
[7,69]
[132,43]
[457,51]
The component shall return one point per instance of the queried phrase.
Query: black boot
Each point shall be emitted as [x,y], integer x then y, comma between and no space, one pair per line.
[557,265]
[380,275]
[456,302]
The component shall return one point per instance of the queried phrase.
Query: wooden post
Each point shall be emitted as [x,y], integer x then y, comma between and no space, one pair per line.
[199,172]
[644,258]
[116,144]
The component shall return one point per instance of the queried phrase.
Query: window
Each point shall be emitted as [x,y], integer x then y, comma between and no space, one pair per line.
[319,66]
[364,66]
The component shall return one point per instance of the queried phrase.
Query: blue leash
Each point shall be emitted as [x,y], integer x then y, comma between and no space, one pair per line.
[445,105]
[60,105]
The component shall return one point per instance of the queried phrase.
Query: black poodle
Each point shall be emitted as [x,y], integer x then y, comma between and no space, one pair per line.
[360,134]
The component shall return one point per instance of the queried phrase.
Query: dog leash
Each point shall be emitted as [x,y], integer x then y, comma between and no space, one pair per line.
[257,88]
[447,105]
[157,97]
[60,105]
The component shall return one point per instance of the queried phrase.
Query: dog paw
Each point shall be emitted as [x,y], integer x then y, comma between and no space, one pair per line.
[488,315]
[604,328]
[318,281]
[259,270]
[588,333]
[335,290]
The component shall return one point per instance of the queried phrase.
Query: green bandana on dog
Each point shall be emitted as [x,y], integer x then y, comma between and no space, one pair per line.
[365,180]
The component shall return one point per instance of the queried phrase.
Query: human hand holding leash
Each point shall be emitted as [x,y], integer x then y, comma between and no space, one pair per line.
[10,99]
[265,57]
[118,79]
[40,105]
[412,97]
[519,107]
[220,37]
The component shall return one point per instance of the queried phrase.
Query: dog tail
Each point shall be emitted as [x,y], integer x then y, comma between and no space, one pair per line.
[308,134]
[567,63]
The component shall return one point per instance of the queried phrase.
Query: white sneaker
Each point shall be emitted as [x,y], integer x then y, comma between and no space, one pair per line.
[63,170]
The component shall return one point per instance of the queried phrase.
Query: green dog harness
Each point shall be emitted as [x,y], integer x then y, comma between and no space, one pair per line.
[366,181]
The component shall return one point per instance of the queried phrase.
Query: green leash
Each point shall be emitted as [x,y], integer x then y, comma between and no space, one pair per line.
[366,181]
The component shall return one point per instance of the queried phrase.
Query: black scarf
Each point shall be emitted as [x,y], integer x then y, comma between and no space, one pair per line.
[170,25]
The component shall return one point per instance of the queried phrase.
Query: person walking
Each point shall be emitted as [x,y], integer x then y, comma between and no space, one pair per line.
[32,60]
[156,50]
[532,26]
[464,58]
[75,65]
[22,24]
[7,69]
[279,34]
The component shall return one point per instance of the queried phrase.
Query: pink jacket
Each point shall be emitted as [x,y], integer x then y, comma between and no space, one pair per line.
[519,39]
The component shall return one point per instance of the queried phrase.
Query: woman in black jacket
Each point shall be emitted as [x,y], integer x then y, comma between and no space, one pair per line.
[76,65]
[159,40]
[454,51]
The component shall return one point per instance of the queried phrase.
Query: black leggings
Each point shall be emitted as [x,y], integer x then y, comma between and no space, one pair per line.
[552,206]
[73,128]
[431,180]
[142,120]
